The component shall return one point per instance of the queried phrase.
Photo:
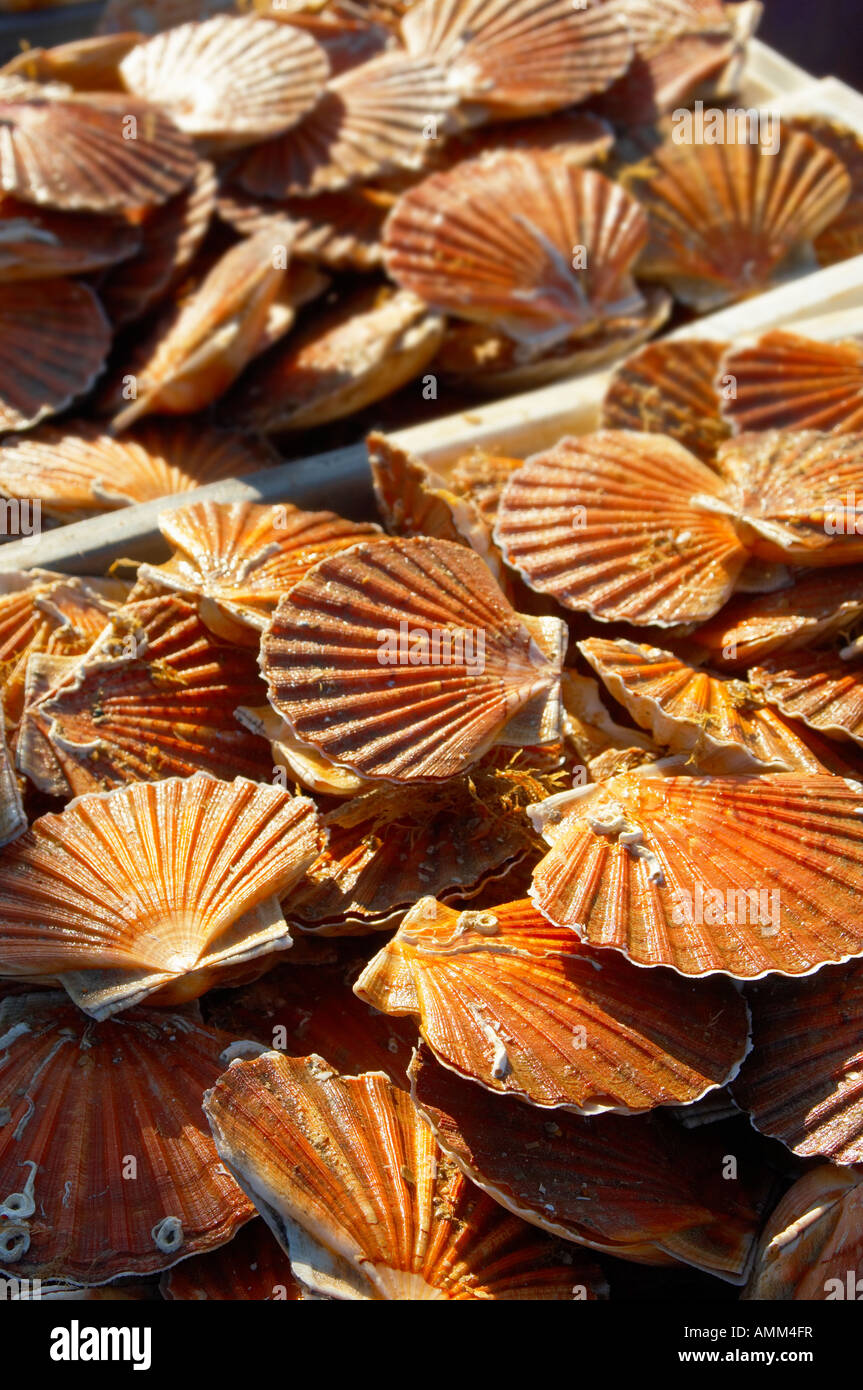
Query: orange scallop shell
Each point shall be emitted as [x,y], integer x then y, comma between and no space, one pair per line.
[811,1247]
[707,874]
[814,608]
[817,687]
[668,388]
[58,327]
[87,65]
[90,1107]
[40,244]
[844,237]
[622,526]
[352,637]
[341,231]
[785,381]
[251,1267]
[351,1181]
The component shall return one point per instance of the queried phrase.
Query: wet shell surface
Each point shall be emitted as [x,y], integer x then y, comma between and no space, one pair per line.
[635,1186]
[498,240]
[817,687]
[87,1107]
[743,875]
[353,1184]
[520,1006]
[729,220]
[804,1082]
[812,609]
[668,388]
[39,244]
[811,1247]
[231,78]
[387,637]
[521,55]
[622,526]
[785,381]
[148,883]
[58,329]
[252,1267]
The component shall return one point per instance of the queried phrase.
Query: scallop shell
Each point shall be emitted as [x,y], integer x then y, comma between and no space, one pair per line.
[811,1247]
[639,1187]
[362,350]
[353,1185]
[341,231]
[814,608]
[723,724]
[87,65]
[399,720]
[707,874]
[668,388]
[34,756]
[730,220]
[243,557]
[582,137]
[91,1106]
[785,381]
[153,885]
[521,55]
[803,1083]
[375,119]
[506,1000]
[38,244]
[251,1267]
[59,329]
[496,239]
[100,152]
[233,79]
[154,697]
[12,818]
[622,526]
[76,470]
[844,237]
[817,687]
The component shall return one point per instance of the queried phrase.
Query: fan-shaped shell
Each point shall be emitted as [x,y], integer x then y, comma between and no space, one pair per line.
[521,1007]
[100,152]
[87,65]
[354,1186]
[668,388]
[727,220]
[341,231]
[76,470]
[785,381]
[723,724]
[377,118]
[417,649]
[812,609]
[251,1267]
[844,236]
[622,526]
[106,1165]
[497,239]
[12,818]
[817,687]
[154,697]
[527,55]
[636,1186]
[803,1083]
[231,78]
[38,244]
[811,1247]
[148,884]
[59,329]
[743,875]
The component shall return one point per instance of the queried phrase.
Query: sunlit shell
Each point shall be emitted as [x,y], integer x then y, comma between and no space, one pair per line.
[170,236]
[88,1107]
[729,220]
[58,328]
[590,732]
[76,470]
[812,609]
[100,152]
[668,388]
[725,725]
[154,697]
[367,346]
[811,1248]
[251,1267]
[88,65]
[803,1083]
[844,236]
[232,78]
[39,244]
[785,381]
[337,230]
[386,848]
[350,1179]
[244,557]
[744,875]
[156,887]
[416,648]
[377,118]
[621,525]
[480,478]
[526,55]
[817,687]
[507,1000]
[497,239]
[639,1187]
[34,756]
[12,818]
[210,337]
[303,764]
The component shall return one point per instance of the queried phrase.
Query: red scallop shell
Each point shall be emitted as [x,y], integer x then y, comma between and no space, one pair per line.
[785,381]
[813,608]
[817,687]
[251,1267]
[39,244]
[668,388]
[57,327]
